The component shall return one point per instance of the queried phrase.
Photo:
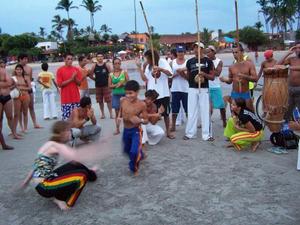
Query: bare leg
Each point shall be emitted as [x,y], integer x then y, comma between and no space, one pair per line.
[8,109]
[255,146]
[17,112]
[167,125]
[25,106]
[117,125]
[110,109]
[2,141]
[32,112]
[249,104]
[223,116]
[101,106]
[174,117]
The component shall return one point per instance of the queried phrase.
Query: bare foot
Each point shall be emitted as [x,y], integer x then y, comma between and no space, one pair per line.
[171,136]
[25,131]
[17,137]
[229,146]
[117,132]
[255,146]
[102,117]
[37,126]
[95,168]
[61,204]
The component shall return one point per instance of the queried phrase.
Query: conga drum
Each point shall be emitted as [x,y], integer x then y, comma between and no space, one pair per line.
[275,96]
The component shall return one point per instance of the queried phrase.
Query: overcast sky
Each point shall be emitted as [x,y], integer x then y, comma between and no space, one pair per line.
[166,16]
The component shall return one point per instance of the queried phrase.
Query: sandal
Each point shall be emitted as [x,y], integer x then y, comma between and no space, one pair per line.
[186,138]
[210,139]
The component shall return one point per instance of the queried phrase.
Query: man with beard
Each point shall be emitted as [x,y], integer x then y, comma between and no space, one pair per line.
[294,78]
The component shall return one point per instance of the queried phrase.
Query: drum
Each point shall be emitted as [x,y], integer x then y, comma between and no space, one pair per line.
[275,96]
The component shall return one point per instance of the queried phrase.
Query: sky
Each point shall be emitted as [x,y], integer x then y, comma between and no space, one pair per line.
[166,16]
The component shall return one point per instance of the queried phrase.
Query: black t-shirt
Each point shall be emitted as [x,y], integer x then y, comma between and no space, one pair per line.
[101,75]
[245,116]
[192,66]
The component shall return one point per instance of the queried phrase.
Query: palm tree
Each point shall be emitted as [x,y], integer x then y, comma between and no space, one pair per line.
[258,25]
[105,29]
[70,23]
[67,5]
[206,36]
[264,10]
[58,26]
[92,6]
[42,32]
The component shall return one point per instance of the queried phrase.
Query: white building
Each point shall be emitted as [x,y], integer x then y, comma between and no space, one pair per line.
[47,45]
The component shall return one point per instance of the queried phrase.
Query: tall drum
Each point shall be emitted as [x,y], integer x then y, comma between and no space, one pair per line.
[275,96]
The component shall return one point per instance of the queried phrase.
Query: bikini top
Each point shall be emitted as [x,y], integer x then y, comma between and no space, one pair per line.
[44,166]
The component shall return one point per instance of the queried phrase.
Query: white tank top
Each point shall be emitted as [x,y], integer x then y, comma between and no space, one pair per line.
[216,82]
[179,84]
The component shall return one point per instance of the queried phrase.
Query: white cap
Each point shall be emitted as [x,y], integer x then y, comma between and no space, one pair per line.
[201,45]
[211,47]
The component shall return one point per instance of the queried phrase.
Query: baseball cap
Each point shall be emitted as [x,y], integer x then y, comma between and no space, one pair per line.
[211,47]
[268,54]
[180,48]
[201,45]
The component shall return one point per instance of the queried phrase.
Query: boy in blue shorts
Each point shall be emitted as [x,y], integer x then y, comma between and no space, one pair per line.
[134,113]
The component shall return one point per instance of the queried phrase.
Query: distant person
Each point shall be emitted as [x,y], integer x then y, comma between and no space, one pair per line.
[294,78]
[68,78]
[47,81]
[23,61]
[156,76]
[116,81]
[215,90]
[62,184]
[80,117]
[169,57]
[84,86]
[21,102]
[244,128]
[152,132]
[198,98]
[5,103]
[180,85]
[240,73]
[101,70]
[134,113]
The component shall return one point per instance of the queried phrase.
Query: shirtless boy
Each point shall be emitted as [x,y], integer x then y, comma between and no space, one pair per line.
[294,78]
[5,104]
[134,113]
[240,74]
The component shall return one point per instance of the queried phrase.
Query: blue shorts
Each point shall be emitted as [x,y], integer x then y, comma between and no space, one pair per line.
[66,109]
[116,101]
[216,98]
[132,140]
[178,97]
[243,95]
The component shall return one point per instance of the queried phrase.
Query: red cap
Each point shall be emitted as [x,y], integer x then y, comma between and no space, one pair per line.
[268,54]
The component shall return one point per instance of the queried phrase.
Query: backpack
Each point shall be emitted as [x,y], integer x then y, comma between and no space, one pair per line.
[287,139]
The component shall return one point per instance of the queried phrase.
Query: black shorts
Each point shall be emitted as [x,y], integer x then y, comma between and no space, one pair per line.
[165,102]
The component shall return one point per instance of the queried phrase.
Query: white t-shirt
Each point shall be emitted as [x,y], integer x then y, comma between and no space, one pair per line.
[216,82]
[179,84]
[162,85]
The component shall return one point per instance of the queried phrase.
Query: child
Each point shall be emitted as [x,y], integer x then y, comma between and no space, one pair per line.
[46,79]
[244,128]
[152,133]
[134,113]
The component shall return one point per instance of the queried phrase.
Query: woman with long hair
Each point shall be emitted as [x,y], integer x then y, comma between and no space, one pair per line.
[21,103]
[65,183]
[244,128]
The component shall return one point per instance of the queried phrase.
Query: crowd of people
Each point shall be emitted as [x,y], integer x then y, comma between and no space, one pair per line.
[189,89]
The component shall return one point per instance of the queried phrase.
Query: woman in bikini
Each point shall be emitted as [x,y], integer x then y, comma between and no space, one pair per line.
[65,183]
[5,104]
[21,103]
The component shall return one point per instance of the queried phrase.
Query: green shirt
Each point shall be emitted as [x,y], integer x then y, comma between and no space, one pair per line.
[115,80]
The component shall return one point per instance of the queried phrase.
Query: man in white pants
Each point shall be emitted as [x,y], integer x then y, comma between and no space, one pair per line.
[152,133]
[198,98]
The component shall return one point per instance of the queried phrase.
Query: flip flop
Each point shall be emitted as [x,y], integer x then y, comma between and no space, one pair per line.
[170,136]
[210,139]
[186,138]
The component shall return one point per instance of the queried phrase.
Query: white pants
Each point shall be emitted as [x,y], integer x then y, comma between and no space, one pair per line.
[84,93]
[181,117]
[50,110]
[152,134]
[198,100]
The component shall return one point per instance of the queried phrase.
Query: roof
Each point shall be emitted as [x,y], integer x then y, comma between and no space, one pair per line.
[178,39]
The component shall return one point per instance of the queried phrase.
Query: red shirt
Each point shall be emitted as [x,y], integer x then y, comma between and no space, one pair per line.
[70,92]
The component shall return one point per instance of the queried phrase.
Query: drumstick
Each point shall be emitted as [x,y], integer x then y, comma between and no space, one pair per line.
[237,37]
[150,40]
[199,39]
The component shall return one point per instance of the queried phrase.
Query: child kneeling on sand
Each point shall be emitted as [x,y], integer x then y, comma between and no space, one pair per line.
[152,133]
[134,114]
[244,128]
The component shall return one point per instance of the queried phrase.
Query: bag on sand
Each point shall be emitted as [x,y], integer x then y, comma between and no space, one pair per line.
[286,139]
